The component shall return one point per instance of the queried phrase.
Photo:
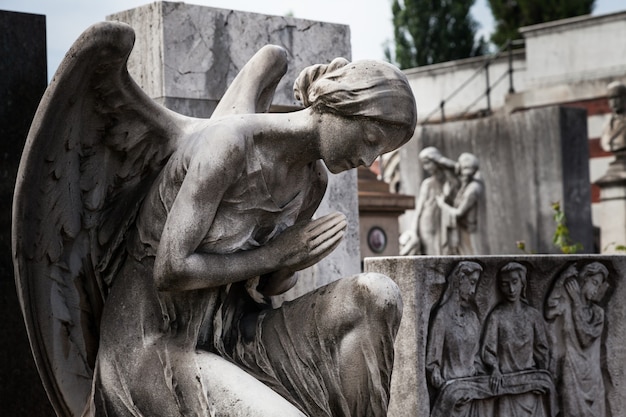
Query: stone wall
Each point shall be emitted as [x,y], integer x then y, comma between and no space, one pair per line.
[443,81]
[574,50]
[423,280]
[527,161]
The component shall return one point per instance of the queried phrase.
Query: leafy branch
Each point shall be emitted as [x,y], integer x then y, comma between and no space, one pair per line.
[561,238]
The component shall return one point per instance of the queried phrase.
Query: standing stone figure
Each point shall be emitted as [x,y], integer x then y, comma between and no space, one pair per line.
[454,335]
[177,224]
[460,220]
[425,236]
[613,137]
[515,341]
[578,326]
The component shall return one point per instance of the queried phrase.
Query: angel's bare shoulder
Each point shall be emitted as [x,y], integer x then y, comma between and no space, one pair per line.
[217,150]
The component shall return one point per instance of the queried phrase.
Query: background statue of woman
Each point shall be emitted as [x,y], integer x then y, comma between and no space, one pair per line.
[178,223]
[454,337]
[578,323]
[425,235]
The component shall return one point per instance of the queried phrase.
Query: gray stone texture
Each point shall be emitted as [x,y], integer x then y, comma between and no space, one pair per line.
[527,161]
[24,78]
[186,55]
[422,281]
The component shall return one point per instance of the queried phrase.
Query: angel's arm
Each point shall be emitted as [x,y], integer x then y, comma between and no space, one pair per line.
[278,282]
[180,265]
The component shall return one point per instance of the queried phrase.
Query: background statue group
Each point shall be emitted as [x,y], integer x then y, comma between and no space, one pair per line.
[446,214]
[518,362]
[140,234]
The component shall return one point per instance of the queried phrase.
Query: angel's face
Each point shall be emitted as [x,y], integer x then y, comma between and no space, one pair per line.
[347,143]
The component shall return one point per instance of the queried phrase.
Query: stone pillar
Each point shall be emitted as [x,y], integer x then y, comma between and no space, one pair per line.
[613,207]
[185,57]
[24,79]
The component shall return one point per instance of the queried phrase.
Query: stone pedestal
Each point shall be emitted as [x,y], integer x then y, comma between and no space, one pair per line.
[24,79]
[379,210]
[423,281]
[613,207]
[185,57]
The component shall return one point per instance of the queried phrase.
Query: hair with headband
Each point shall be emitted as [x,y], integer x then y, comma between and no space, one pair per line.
[370,89]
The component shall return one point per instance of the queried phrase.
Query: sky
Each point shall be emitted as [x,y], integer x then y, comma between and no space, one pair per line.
[369,20]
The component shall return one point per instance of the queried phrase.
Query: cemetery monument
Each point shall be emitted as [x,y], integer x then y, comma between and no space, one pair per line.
[137,228]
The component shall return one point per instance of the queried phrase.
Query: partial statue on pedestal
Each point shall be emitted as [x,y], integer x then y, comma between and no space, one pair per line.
[137,229]
[614,135]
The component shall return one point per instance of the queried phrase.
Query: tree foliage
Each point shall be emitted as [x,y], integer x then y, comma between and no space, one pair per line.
[432,31]
[509,15]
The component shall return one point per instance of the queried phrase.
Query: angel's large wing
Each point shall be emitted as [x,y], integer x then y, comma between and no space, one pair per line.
[95,145]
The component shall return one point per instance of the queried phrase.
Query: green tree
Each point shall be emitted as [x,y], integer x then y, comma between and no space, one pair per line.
[432,31]
[510,15]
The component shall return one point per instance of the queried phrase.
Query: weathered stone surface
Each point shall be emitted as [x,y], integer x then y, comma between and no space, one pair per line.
[186,55]
[23,69]
[528,160]
[424,280]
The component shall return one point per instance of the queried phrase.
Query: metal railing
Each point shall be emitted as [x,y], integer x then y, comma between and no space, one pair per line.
[484,68]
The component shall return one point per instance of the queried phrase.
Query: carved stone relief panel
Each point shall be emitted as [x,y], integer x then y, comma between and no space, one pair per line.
[504,335]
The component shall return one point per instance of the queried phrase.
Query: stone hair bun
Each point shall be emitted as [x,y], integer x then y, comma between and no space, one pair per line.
[302,88]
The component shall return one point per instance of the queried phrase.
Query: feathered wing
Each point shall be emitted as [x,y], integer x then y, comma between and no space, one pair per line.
[95,145]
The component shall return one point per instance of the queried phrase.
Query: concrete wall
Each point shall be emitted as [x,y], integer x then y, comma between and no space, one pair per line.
[565,60]
[575,50]
[433,83]
[527,161]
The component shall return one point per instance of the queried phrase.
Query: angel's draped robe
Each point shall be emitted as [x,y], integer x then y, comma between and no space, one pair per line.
[159,326]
